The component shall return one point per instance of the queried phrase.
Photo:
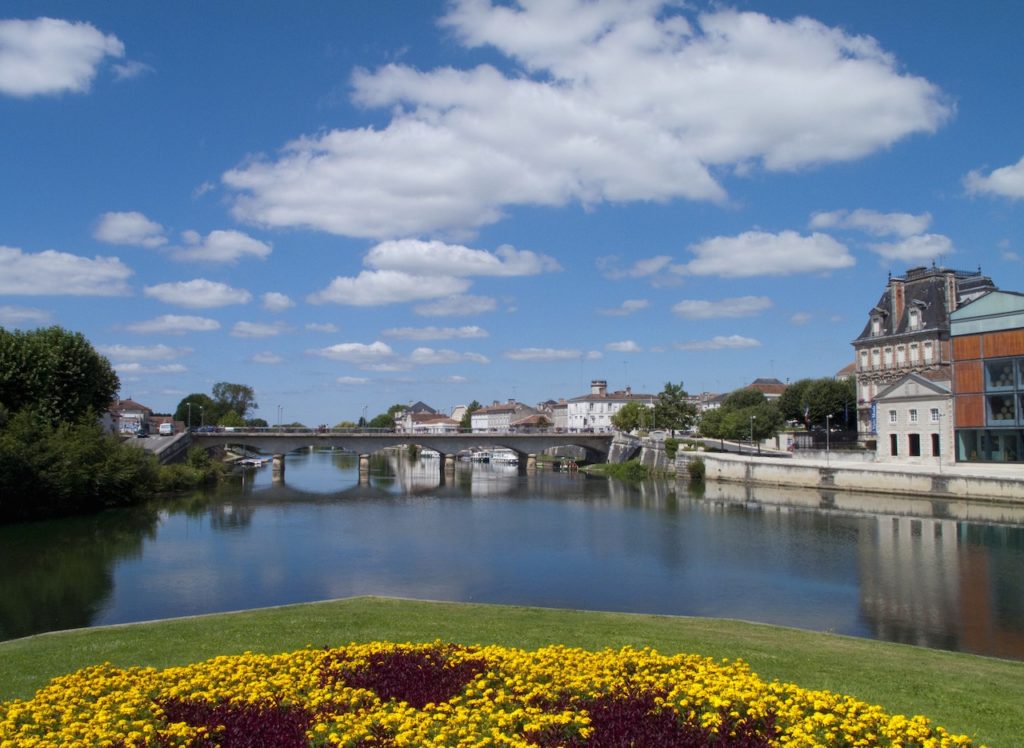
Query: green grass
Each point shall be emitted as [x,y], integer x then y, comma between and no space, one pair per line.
[977,696]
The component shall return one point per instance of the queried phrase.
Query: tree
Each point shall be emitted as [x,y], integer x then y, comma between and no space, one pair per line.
[673,409]
[196,409]
[812,401]
[467,417]
[239,398]
[632,416]
[382,421]
[56,373]
[231,418]
[793,403]
[744,414]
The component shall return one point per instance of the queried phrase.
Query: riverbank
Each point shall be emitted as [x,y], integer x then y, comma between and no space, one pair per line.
[829,474]
[967,694]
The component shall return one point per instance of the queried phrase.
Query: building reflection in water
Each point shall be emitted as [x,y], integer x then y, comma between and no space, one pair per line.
[943,574]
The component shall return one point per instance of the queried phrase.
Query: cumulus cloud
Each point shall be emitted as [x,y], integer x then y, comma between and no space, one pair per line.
[53,273]
[131,228]
[873,222]
[266,357]
[739,306]
[21,316]
[756,253]
[221,246]
[378,287]
[609,267]
[426,257]
[362,354]
[435,333]
[605,102]
[719,342]
[457,306]
[174,324]
[135,368]
[800,318]
[52,56]
[624,346]
[198,294]
[159,352]
[431,356]
[627,307]
[542,354]
[276,302]
[1007,181]
[243,329]
[916,248]
[353,380]
[322,327]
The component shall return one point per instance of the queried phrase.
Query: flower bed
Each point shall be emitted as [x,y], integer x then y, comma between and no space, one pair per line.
[383,694]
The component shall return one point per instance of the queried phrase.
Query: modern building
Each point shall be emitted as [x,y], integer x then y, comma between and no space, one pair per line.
[915,424]
[908,331]
[594,411]
[988,378]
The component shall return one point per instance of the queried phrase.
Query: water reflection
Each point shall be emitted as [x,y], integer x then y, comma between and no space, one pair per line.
[943,575]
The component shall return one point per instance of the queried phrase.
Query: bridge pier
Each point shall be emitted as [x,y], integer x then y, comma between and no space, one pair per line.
[277,466]
[531,463]
[449,464]
[364,469]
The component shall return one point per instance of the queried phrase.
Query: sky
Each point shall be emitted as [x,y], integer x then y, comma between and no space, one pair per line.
[349,205]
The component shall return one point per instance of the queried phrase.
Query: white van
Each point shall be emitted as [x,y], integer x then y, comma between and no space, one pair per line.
[166,429]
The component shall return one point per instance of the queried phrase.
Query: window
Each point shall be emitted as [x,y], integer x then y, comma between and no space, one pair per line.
[914,319]
[892,416]
[876,325]
[887,356]
[913,415]
[913,353]
[1000,409]
[893,445]
[927,352]
[999,375]
[901,355]
[935,445]
[914,441]
[935,415]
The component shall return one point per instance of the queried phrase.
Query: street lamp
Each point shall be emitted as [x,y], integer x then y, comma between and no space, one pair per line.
[189,416]
[202,422]
[752,419]
[828,430]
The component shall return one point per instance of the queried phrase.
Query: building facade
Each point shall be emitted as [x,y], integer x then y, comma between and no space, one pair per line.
[988,378]
[594,411]
[915,424]
[908,331]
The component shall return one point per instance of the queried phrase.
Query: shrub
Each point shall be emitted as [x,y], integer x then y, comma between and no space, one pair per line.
[630,471]
[671,447]
[696,469]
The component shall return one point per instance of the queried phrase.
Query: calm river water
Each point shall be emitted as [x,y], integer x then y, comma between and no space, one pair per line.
[938,574]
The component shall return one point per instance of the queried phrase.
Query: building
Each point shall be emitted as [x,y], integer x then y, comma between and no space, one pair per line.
[772,389]
[988,378]
[426,423]
[129,416]
[914,422]
[908,331]
[593,412]
[500,416]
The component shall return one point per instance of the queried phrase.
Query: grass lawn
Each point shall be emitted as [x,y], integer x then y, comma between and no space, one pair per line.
[977,696]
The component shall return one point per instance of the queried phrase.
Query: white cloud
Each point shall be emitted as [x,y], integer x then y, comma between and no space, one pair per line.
[873,222]
[322,327]
[455,379]
[174,324]
[719,342]
[629,306]
[21,316]
[542,354]
[609,267]
[1007,181]
[159,352]
[132,228]
[606,102]
[424,258]
[435,333]
[800,318]
[52,56]
[624,346]
[756,253]
[266,357]
[131,69]
[362,354]
[353,380]
[916,248]
[431,356]
[739,306]
[457,306]
[243,329]
[198,294]
[378,287]
[221,246]
[276,302]
[53,273]
[594,355]
[135,368]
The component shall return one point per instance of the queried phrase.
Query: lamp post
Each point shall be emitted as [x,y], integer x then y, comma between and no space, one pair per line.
[752,419]
[828,430]
[189,416]
[938,452]
[202,421]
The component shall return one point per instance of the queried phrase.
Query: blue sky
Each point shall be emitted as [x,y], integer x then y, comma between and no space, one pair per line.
[350,205]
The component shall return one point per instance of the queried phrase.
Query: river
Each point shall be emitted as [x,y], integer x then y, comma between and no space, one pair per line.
[938,575]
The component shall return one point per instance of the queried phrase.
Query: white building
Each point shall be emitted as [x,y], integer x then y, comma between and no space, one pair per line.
[500,416]
[593,412]
[914,424]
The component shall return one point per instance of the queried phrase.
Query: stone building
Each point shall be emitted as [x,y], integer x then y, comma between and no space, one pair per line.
[908,331]
[594,411]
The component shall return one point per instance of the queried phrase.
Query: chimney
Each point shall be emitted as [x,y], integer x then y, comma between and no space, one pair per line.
[898,298]
[598,386]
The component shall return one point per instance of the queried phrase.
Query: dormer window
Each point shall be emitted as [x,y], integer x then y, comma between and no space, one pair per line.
[876,325]
[914,319]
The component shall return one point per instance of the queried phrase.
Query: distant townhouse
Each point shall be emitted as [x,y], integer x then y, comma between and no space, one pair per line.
[908,331]
[129,416]
[500,416]
[771,388]
[594,411]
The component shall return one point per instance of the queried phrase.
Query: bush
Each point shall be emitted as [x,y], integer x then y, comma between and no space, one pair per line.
[696,470]
[671,447]
[630,471]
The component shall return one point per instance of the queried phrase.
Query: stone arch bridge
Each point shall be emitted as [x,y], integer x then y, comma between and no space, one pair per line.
[278,442]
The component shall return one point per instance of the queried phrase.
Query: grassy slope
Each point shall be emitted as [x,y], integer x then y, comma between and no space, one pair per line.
[966,694]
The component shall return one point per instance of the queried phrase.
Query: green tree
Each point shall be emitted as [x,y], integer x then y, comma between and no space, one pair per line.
[813,401]
[672,410]
[793,404]
[632,416]
[56,373]
[382,421]
[743,414]
[467,417]
[239,398]
[231,419]
[196,409]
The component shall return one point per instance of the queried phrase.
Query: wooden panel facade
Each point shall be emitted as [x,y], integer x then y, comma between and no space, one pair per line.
[966,347]
[970,411]
[968,376]
[1005,343]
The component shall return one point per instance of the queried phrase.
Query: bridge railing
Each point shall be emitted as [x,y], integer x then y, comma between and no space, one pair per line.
[368,431]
